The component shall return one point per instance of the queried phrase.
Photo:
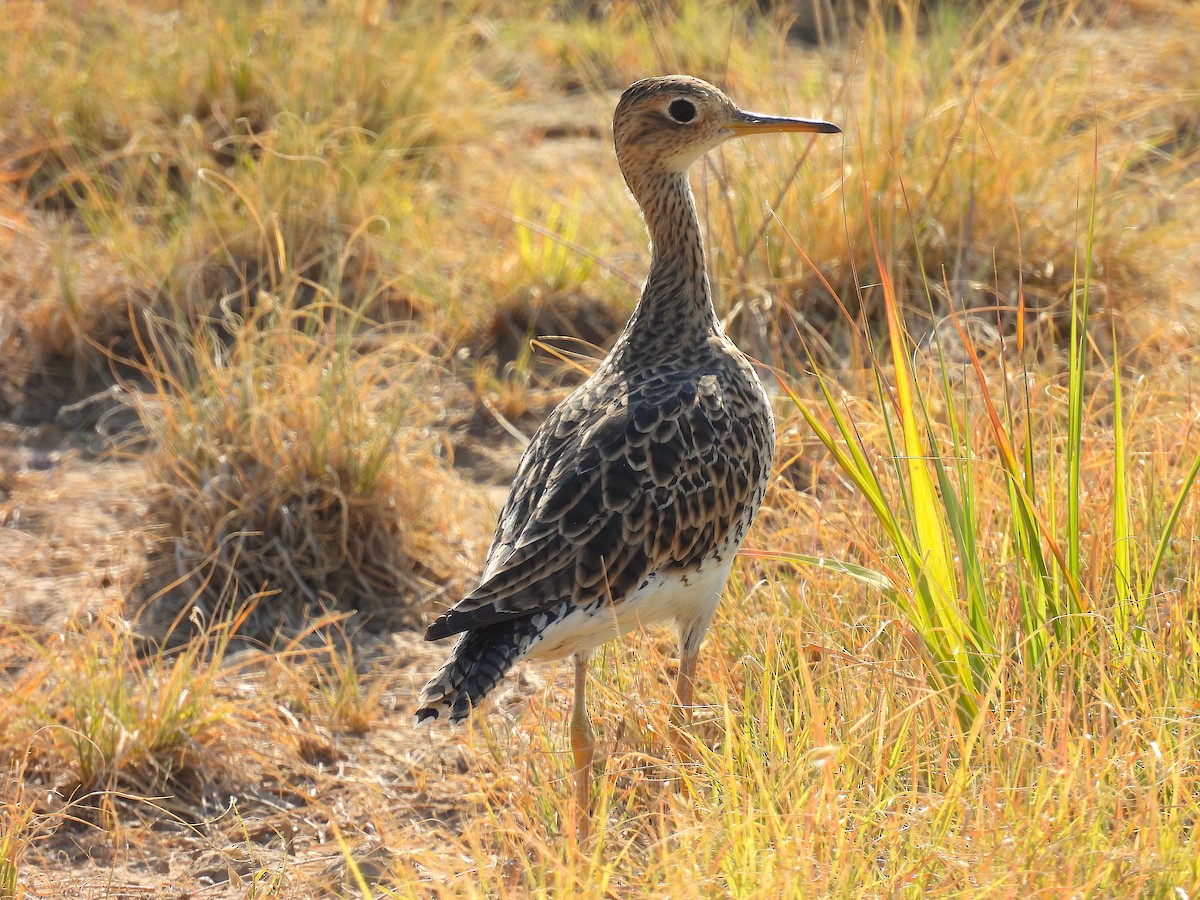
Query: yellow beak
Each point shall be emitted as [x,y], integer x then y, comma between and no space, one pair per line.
[753,123]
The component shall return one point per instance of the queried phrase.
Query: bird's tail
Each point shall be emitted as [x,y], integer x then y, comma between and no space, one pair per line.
[476,665]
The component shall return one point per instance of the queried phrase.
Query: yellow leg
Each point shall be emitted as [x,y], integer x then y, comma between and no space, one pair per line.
[681,715]
[583,747]
[683,687]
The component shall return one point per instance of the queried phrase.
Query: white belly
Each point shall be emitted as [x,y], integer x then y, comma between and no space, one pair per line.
[689,599]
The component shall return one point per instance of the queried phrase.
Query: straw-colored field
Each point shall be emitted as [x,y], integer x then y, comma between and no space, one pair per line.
[282,286]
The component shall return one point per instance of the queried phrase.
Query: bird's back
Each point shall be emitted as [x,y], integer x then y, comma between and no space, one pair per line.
[652,469]
[647,467]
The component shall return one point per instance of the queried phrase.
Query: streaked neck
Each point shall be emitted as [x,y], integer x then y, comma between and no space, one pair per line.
[676,303]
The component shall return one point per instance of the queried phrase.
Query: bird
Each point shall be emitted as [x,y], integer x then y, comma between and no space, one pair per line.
[634,495]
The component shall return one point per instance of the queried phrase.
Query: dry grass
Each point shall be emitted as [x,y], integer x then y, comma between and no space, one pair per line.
[295,476]
[310,245]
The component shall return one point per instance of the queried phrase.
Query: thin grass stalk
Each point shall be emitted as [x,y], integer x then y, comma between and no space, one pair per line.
[869,577]
[1077,365]
[1126,589]
[1021,478]
[1032,536]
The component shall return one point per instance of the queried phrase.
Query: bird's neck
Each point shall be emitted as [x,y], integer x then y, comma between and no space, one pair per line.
[676,305]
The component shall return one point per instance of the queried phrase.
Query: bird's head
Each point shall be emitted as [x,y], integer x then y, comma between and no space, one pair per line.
[665,124]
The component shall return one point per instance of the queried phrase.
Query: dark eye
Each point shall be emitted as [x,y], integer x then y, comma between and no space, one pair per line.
[682,110]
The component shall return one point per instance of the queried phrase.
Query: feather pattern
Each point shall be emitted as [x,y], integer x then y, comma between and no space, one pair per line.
[634,495]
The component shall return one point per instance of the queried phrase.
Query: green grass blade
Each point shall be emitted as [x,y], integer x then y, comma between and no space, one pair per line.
[1168,531]
[869,577]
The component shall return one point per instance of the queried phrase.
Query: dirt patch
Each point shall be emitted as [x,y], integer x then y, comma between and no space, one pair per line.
[70,542]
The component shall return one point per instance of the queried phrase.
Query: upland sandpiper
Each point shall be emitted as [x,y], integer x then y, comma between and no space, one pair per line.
[635,494]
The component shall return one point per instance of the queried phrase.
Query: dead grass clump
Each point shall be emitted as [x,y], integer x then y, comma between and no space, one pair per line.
[297,478]
[105,119]
[91,725]
[971,172]
[826,22]
[581,320]
[314,218]
[215,159]
[65,319]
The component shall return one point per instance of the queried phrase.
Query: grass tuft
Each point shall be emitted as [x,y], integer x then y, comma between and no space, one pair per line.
[953,479]
[99,724]
[295,475]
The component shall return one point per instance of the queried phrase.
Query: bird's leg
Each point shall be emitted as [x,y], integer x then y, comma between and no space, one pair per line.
[691,636]
[679,735]
[684,683]
[583,747]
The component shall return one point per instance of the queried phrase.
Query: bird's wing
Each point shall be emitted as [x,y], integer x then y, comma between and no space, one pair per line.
[608,493]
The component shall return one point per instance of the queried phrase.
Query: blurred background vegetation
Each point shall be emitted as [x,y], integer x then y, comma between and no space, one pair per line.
[283,286]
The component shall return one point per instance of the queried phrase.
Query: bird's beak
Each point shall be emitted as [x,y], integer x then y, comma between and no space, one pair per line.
[753,123]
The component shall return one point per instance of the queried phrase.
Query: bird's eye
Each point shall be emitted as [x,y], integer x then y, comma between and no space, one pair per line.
[682,110]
